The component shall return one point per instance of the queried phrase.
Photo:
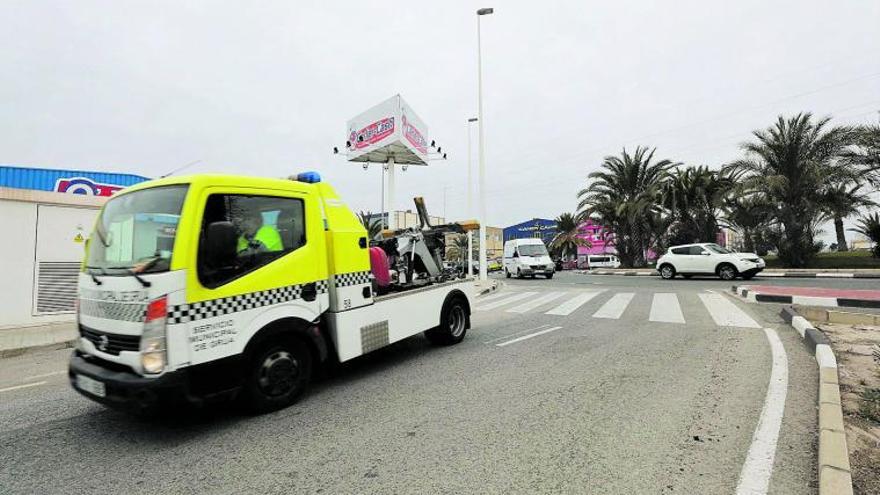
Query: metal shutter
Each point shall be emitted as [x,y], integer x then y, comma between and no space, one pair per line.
[56,286]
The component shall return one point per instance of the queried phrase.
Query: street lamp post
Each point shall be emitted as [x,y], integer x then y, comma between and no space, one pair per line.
[470,200]
[482,159]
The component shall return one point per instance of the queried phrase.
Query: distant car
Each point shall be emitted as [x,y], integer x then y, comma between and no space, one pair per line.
[602,261]
[493,265]
[708,259]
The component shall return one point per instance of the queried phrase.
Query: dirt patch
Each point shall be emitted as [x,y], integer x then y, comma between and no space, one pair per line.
[857,348]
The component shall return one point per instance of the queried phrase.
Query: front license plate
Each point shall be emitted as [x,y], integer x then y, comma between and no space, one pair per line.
[91,386]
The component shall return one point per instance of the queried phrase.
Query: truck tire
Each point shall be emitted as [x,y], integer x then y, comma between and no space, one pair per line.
[454,320]
[549,275]
[278,373]
[506,273]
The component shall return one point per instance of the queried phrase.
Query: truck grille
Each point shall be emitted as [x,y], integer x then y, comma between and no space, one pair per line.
[537,267]
[111,343]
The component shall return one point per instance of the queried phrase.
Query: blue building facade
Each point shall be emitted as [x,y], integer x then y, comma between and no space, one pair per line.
[66,181]
[541,228]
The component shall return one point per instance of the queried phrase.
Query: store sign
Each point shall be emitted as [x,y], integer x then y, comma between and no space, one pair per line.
[85,186]
[414,137]
[373,133]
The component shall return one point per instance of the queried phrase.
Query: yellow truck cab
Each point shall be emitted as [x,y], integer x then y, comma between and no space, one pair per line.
[205,287]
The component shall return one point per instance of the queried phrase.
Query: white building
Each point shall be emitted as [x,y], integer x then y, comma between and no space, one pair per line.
[46,216]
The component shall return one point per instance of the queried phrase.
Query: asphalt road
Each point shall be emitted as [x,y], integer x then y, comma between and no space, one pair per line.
[611,394]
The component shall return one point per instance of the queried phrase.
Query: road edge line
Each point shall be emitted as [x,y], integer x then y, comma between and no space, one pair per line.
[757,469]
[835,476]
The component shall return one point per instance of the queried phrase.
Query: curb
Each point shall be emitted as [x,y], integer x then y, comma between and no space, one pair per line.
[835,477]
[487,290]
[759,275]
[831,302]
[19,340]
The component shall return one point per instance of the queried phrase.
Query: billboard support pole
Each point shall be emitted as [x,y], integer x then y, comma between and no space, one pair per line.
[382,196]
[392,221]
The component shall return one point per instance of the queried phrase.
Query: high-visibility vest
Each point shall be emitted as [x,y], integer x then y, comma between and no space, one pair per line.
[268,236]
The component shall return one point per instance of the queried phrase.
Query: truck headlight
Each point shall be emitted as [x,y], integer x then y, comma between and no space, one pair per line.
[153,351]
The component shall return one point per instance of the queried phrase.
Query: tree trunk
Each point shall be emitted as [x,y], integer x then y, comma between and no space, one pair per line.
[748,242]
[841,236]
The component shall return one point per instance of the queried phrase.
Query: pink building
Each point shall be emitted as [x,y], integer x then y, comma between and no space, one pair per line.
[598,236]
[595,235]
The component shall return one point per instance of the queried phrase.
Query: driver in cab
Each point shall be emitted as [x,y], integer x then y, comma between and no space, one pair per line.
[255,235]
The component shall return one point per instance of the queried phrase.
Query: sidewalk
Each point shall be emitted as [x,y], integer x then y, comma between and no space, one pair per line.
[810,296]
[14,340]
[773,272]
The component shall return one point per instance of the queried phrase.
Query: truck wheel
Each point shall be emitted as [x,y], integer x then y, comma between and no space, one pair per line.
[277,375]
[549,275]
[506,273]
[453,326]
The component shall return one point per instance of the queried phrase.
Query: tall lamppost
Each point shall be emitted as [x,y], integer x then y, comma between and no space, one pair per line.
[483,263]
[470,200]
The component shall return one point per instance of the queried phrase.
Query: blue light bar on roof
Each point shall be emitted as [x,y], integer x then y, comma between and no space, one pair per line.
[309,177]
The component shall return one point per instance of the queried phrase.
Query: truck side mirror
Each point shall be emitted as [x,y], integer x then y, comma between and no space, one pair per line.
[221,244]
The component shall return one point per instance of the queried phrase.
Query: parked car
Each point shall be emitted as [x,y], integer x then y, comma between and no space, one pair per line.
[708,259]
[602,261]
[527,257]
[494,265]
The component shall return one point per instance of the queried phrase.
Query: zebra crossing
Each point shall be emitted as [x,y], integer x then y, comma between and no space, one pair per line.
[665,307]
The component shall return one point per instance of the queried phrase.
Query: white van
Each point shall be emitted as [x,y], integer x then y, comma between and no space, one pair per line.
[602,261]
[527,257]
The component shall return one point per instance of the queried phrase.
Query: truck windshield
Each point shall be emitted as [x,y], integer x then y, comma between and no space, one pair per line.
[532,250]
[135,231]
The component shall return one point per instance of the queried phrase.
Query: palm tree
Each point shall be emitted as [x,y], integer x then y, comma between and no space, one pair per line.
[843,199]
[790,164]
[864,152]
[623,196]
[869,226]
[371,223]
[694,197]
[748,215]
[567,238]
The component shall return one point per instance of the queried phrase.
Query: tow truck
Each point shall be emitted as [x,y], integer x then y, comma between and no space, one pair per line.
[215,287]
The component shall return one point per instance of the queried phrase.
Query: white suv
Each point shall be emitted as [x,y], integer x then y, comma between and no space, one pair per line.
[708,259]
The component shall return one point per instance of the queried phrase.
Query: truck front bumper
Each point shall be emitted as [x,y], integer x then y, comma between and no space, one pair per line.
[126,390]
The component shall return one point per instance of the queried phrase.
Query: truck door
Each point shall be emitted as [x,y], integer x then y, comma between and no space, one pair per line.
[276,269]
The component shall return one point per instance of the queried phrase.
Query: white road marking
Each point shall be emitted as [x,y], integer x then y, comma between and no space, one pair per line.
[483,299]
[506,300]
[515,334]
[754,479]
[17,387]
[615,306]
[525,337]
[725,313]
[44,375]
[665,308]
[534,303]
[568,307]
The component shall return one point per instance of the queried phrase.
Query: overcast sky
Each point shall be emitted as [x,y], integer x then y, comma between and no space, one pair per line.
[266,87]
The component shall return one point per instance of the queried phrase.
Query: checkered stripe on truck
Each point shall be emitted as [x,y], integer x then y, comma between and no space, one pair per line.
[185,313]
